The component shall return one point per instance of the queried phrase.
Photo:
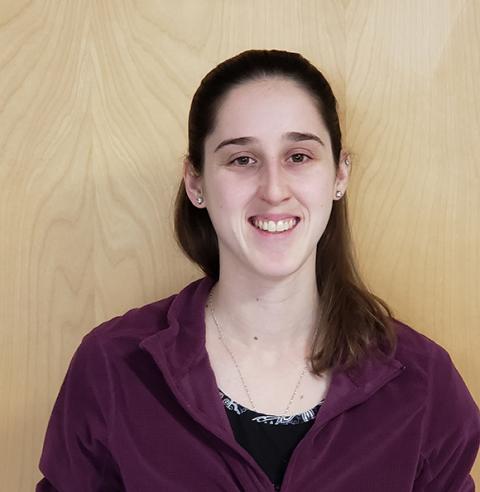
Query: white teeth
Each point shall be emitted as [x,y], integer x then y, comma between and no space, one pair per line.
[271,226]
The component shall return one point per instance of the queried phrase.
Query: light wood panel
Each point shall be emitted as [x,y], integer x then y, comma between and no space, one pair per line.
[413,123]
[94,98]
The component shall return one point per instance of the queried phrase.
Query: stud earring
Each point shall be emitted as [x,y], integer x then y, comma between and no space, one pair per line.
[338,194]
[347,161]
[200,199]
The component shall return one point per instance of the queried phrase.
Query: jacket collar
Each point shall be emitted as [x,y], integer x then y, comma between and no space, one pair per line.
[179,351]
[180,348]
[181,343]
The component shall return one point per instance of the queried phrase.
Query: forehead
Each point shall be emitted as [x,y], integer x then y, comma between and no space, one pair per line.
[269,105]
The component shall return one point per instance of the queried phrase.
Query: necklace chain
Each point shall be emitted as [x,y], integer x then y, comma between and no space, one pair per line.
[237,366]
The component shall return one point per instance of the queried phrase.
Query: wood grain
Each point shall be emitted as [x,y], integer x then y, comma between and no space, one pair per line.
[94,97]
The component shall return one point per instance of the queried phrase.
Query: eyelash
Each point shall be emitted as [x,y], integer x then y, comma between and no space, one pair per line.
[305,159]
[238,158]
[302,154]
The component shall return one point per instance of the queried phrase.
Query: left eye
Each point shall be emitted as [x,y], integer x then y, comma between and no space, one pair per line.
[242,161]
[299,158]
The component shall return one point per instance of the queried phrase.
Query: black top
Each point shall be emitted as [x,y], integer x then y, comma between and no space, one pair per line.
[270,439]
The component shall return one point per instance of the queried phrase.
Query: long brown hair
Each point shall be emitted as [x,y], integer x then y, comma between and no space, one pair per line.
[354,321]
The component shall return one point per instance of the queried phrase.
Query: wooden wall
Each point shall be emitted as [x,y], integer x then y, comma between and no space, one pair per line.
[94,96]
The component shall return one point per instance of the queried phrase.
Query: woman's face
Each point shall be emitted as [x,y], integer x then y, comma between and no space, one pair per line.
[268,165]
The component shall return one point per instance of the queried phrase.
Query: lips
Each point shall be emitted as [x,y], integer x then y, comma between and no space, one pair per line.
[274,217]
[274,224]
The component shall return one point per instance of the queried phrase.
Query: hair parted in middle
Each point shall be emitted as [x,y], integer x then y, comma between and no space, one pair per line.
[354,322]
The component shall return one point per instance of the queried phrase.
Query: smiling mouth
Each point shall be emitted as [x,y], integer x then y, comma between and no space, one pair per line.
[274,226]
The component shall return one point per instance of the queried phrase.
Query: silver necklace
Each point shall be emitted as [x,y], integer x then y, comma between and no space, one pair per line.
[242,379]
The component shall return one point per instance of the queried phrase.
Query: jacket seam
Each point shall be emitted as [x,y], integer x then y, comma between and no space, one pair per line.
[424,459]
[111,406]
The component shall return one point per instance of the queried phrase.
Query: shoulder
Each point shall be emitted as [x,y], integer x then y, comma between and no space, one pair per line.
[123,334]
[449,408]
[418,351]
[172,320]
[427,360]
[135,325]
[449,432]
[112,342]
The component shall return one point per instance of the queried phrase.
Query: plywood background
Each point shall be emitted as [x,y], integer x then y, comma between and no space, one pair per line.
[93,106]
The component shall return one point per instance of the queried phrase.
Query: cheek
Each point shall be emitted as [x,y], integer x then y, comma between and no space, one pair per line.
[227,194]
[318,193]
[225,201]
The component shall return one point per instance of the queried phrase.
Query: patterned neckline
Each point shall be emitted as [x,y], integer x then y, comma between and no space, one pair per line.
[261,418]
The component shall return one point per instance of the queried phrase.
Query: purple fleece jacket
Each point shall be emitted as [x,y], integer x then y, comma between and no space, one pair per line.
[139,410]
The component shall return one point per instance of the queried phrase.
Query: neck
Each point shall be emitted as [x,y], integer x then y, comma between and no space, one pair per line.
[272,317]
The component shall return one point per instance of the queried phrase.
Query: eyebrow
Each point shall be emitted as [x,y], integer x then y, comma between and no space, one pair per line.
[293,136]
[300,137]
[236,141]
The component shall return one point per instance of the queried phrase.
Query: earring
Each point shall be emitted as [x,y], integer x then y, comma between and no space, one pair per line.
[347,161]
[338,194]
[200,199]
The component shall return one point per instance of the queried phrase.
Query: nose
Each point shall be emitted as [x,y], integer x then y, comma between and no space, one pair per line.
[274,185]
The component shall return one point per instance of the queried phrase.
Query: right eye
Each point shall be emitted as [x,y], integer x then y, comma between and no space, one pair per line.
[242,161]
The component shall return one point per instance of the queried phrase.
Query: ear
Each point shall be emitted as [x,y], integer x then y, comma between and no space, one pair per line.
[343,174]
[193,184]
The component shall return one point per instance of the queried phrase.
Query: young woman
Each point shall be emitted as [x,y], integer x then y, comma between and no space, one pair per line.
[278,370]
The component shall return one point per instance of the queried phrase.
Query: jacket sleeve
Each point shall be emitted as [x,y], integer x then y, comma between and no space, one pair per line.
[451,431]
[76,456]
